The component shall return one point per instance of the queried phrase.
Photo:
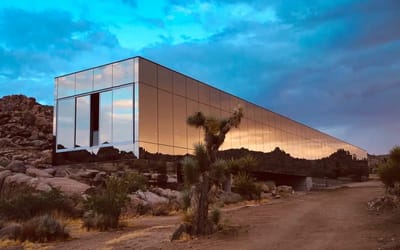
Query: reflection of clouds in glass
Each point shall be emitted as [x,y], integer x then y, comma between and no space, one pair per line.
[102,77]
[123,104]
[123,72]
[66,85]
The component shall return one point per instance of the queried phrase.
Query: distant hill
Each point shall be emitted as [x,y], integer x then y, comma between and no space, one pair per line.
[25,131]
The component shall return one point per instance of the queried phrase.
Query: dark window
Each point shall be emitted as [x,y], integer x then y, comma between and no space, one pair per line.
[94,119]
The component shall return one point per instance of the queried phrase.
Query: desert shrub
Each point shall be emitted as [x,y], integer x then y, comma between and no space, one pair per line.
[135,182]
[215,216]
[191,171]
[186,197]
[389,172]
[26,203]
[43,228]
[104,208]
[219,172]
[246,186]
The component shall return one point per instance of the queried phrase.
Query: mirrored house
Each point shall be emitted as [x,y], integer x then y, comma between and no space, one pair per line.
[136,107]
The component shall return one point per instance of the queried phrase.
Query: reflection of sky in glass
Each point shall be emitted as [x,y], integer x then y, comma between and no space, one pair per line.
[84,81]
[65,122]
[66,85]
[123,72]
[83,121]
[123,115]
[102,77]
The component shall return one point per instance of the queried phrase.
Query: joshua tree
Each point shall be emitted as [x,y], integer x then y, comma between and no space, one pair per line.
[215,131]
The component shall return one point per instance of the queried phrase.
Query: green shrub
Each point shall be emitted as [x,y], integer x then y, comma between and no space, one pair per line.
[186,197]
[191,171]
[43,228]
[389,172]
[215,216]
[25,203]
[246,186]
[104,208]
[135,182]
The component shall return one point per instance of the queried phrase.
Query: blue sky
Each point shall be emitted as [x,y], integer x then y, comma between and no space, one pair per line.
[333,65]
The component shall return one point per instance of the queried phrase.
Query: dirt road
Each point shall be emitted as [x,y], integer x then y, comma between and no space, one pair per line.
[336,219]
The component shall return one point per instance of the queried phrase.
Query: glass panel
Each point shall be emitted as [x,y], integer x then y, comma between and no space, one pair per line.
[259,137]
[165,150]
[244,133]
[65,123]
[102,77]
[105,118]
[164,79]
[123,72]
[82,121]
[193,133]
[251,135]
[205,109]
[66,85]
[215,112]
[123,115]
[148,114]
[179,84]
[165,130]
[225,102]
[215,99]
[192,89]
[180,151]
[84,82]
[148,148]
[204,94]
[180,138]
[147,72]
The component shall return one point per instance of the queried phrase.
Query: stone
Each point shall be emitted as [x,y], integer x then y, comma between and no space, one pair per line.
[151,197]
[229,197]
[168,193]
[67,185]
[87,173]
[50,171]
[61,173]
[11,231]
[4,161]
[284,189]
[264,188]
[100,178]
[35,172]
[17,166]
[3,175]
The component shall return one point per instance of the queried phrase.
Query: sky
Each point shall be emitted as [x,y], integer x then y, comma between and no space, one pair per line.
[332,65]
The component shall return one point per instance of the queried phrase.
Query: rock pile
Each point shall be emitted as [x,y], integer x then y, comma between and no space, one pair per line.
[25,131]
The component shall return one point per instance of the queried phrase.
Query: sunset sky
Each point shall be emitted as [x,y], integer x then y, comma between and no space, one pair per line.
[332,65]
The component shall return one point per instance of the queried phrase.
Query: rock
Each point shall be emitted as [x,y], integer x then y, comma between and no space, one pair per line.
[50,171]
[3,176]
[4,161]
[168,193]
[34,172]
[14,181]
[151,197]
[229,197]
[264,188]
[17,166]
[284,189]
[11,231]
[61,173]
[6,142]
[87,173]
[67,185]
[100,178]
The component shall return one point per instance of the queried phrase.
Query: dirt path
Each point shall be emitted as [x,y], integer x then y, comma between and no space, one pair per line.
[336,219]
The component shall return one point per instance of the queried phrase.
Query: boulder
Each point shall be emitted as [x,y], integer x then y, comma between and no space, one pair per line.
[4,161]
[50,171]
[285,189]
[151,197]
[265,188]
[67,185]
[35,172]
[11,231]
[168,193]
[87,173]
[17,166]
[3,176]
[14,181]
[229,197]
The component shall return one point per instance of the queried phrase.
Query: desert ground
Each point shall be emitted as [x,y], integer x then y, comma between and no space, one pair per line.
[329,219]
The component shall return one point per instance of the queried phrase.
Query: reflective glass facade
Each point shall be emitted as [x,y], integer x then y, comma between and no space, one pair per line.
[136,105]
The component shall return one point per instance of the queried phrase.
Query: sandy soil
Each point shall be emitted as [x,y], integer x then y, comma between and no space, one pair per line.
[334,219]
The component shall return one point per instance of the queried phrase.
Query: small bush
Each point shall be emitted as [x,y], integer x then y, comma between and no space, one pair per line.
[186,197]
[26,203]
[215,216]
[246,186]
[135,182]
[104,209]
[191,171]
[43,228]
[389,172]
